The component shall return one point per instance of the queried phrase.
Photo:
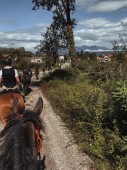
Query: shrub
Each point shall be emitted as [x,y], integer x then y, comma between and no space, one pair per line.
[89,112]
[61,75]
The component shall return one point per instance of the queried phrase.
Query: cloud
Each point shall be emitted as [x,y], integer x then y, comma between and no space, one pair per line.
[95,22]
[28,38]
[101,5]
[93,31]
[4,45]
[97,31]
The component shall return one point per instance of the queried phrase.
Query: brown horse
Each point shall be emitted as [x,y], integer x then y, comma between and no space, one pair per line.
[20,138]
[6,105]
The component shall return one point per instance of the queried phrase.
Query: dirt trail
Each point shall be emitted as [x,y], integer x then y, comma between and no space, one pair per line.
[58,147]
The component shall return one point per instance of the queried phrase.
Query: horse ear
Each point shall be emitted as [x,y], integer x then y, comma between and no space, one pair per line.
[16,107]
[39,106]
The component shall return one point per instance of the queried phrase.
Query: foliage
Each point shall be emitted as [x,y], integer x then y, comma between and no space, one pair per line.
[120,94]
[20,53]
[16,51]
[61,75]
[60,33]
[92,111]
[121,44]
[55,37]
[93,104]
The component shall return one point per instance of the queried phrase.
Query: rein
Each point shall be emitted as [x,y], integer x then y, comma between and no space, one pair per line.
[39,147]
[39,140]
[20,115]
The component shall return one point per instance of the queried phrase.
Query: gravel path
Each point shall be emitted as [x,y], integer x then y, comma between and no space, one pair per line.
[58,147]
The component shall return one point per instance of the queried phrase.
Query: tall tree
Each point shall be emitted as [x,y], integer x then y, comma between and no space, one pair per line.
[50,44]
[62,11]
[55,37]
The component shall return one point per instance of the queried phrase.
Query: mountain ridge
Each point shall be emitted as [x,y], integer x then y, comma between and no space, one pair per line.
[85,48]
[91,48]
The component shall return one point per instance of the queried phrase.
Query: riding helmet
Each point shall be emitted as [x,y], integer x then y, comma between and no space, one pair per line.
[7,61]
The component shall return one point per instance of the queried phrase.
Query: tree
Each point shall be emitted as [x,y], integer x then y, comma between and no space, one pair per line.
[62,11]
[120,46]
[55,37]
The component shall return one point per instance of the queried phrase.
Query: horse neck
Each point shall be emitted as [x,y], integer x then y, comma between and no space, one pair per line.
[15,152]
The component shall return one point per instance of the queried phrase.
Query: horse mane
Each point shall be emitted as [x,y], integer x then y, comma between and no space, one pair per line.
[14,153]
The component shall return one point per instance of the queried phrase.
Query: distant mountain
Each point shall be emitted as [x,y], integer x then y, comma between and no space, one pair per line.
[92,48]
[84,48]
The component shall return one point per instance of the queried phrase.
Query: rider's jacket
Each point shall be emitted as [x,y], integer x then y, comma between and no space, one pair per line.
[8,76]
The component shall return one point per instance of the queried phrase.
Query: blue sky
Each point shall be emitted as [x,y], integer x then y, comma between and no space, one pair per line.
[99,22]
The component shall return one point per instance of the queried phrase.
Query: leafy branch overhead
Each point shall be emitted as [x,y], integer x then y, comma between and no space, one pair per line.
[48,5]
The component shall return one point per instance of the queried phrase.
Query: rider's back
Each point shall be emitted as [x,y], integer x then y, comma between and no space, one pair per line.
[26,78]
[9,79]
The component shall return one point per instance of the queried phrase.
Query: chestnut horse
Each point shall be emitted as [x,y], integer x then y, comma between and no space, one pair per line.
[19,142]
[6,105]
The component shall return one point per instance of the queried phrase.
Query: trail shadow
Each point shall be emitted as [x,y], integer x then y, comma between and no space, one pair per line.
[33,84]
[36,83]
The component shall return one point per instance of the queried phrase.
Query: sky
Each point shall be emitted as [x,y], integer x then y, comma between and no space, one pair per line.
[98,23]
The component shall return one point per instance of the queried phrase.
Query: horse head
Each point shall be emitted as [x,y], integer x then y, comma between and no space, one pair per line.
[22,135]
[37,109]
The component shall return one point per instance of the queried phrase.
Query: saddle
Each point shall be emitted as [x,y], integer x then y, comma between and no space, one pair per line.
[13,91]
[10,90]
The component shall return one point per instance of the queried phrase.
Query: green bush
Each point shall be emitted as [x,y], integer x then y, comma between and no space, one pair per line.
[90,112]
[61,75]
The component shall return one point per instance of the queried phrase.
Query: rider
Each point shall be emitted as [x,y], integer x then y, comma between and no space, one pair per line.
[37,72]
[9,77]
[29,71]
[26,76]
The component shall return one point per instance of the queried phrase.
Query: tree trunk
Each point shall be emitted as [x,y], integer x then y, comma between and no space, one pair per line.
[71,45]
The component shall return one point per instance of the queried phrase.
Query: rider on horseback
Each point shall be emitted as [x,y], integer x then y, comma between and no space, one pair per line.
[9,77]
[26,76]
[36,73]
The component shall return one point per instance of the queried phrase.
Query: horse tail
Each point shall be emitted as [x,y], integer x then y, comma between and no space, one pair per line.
[14,149]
